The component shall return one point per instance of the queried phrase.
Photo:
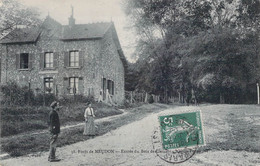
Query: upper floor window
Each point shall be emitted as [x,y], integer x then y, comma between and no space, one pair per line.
[48,60]
[74,59]
[24,61]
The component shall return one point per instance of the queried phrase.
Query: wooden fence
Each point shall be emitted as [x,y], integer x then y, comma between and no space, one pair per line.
[140,97]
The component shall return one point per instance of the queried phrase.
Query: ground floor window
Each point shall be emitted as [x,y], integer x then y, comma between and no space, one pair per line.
[48,85]
[73,85]
[110,87]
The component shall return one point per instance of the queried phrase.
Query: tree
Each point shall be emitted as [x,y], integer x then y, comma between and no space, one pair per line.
[130,77]
[13,14]
[197,44]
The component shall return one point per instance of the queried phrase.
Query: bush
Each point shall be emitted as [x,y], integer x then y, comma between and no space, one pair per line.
[67,99]
[44,99]
[20,96]
[15,95]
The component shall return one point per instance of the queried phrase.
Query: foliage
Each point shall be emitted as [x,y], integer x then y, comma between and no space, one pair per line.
[15,95]
[15,120]
[44,99]
[211,47]
[13,14]
[130,77]
[70,99]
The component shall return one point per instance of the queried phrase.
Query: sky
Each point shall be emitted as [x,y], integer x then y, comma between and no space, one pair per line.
[89,11]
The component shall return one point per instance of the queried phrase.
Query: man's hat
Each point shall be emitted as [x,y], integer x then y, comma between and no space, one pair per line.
[54,104]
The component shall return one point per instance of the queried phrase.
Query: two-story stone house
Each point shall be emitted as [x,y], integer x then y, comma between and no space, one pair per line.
[68,59]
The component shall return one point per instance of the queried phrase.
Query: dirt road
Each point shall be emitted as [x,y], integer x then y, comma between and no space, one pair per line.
[120,146]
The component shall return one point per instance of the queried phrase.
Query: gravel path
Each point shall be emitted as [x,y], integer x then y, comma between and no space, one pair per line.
[119,148]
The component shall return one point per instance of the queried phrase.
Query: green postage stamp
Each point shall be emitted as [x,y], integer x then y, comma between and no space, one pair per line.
[181,130]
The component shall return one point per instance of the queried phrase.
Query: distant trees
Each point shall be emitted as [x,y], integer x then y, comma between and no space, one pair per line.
[211,47]
[13,13]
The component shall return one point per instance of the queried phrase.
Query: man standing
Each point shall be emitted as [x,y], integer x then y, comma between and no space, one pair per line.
[54,130]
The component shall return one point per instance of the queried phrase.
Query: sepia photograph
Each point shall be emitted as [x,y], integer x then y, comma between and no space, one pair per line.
[129,82]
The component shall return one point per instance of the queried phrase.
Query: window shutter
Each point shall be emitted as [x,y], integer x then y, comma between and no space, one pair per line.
[81,85]
[113,92]
[66,59]
[17,61]
[54,90]
[42,60]
[55,59]
[31,58]
[66,85]
[81,58]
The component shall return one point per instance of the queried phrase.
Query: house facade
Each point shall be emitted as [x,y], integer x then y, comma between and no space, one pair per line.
[71,59]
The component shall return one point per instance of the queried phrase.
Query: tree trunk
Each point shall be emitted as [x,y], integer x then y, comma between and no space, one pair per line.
[221,98]
[165,95]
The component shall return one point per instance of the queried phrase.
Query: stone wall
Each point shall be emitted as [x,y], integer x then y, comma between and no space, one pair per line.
[112,66]
[100,59]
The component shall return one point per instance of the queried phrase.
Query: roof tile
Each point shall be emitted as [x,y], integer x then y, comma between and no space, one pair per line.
[23,35]
[85,31]
[75,32]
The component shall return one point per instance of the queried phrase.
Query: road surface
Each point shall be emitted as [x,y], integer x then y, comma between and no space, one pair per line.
[120,147]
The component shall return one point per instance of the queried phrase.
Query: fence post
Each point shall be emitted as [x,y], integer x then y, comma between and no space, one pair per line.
[179,97]
[131,95]
[100,99]
[258,97]
[106,100]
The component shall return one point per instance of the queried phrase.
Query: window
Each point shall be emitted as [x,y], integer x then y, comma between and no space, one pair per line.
[24,61]
[74,59]
[110,87]
[74,85]
[48,60]
[48,85]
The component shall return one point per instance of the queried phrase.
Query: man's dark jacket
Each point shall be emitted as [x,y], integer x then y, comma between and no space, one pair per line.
[54,122]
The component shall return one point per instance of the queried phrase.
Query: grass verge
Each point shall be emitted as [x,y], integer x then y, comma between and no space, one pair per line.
[25,144]
[232,127]
[15,120]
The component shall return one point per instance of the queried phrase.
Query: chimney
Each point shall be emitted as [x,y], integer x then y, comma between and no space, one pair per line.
[71,19]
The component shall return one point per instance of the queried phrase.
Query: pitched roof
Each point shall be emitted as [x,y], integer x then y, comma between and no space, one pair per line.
[21,35]
[85,31]
[63,32]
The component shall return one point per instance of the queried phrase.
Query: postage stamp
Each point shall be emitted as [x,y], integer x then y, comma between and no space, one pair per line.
[181,130]
[178,136]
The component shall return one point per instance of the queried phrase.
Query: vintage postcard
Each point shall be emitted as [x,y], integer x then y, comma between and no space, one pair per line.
[129,82]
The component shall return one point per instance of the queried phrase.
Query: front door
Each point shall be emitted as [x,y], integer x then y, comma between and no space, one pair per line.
[104,88]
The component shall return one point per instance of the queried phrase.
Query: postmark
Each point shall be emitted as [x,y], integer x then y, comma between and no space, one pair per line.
[178,136]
